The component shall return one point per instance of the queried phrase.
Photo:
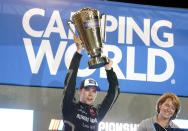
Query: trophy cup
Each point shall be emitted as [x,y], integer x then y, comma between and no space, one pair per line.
[89,27]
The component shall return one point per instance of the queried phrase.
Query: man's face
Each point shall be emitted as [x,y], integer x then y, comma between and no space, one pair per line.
[87,95]
[167,109]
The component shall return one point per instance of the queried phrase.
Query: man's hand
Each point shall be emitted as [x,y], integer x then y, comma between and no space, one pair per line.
[109,65]
[78,43]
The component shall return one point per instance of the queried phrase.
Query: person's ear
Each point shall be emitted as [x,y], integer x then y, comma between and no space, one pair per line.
[160,106]
[79,91]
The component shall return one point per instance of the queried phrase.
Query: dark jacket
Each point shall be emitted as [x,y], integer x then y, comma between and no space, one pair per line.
[78,116]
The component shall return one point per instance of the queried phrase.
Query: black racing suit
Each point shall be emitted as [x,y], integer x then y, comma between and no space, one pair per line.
[78,116]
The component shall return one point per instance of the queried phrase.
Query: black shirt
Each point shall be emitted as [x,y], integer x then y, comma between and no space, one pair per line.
[78,116]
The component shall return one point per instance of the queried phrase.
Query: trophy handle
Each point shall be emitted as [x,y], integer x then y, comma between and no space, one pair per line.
[68,23]
[103,28]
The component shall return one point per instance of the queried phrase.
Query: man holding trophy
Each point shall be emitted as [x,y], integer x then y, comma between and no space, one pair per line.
[82,115]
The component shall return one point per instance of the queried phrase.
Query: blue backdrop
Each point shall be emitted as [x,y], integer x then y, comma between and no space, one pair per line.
[147,44]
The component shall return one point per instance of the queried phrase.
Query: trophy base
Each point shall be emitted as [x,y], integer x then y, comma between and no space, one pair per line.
[97,62]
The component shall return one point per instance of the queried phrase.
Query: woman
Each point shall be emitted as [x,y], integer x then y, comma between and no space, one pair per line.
[168,106]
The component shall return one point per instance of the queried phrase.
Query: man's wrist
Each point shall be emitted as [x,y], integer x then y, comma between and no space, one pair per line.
[108,68]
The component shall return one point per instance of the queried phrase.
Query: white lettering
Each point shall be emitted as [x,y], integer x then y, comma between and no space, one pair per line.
[55,19]
[26,22]
[121,32]
[81,117]
[131,75]
[113,25]
[55,25]
[152,53]
[68,56]
[169,36]
[112,126]
[44,48]
[101,126]
[116,59]
[145,35]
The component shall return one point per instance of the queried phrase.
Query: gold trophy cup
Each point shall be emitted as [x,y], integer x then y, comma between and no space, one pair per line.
[92,33]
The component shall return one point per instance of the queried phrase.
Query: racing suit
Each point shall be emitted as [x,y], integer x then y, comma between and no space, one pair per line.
[79,116]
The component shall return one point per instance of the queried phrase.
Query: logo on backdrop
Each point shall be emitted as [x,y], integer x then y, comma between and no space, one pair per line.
[57,124]
[125,27]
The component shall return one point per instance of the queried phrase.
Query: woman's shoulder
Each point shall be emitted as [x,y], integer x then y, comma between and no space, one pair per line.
[173,125]
[146,124]
[149,119]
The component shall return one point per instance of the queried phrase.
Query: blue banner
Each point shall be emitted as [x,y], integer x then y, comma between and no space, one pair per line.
[147,44]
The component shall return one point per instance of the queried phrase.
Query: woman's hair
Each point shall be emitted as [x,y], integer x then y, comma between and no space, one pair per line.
[175,102]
